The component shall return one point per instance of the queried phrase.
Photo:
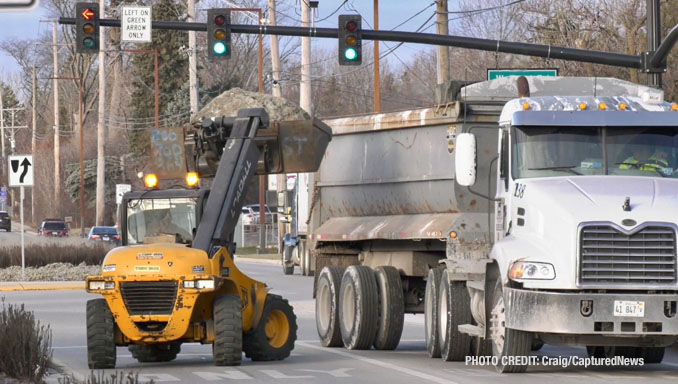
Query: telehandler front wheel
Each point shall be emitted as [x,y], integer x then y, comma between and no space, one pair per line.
[274,336]
[155,353]
[227,314]
[101,352]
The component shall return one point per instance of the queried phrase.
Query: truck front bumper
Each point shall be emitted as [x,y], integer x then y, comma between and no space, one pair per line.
[568,313]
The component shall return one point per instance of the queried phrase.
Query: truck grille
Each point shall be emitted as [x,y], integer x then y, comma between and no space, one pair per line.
[609,256]
[149,297]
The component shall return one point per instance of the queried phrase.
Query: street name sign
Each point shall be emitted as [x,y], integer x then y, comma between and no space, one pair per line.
[495,73]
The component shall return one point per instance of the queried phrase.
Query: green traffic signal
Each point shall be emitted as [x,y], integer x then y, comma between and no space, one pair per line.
[219,48]
[351,54]
[88,43]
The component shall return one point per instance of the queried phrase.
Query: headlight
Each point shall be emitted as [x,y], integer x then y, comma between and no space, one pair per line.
[99,285]
[204,284]
[527,270]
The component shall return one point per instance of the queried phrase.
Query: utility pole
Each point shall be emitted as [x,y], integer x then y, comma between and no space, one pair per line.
[443,52]
[2,133]
[305,86]
[34,119]
[192,62]
[377,94]
[57,138]
[101,130]
[654,38]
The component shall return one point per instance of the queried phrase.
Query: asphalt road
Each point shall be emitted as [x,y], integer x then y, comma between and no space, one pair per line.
[64,311]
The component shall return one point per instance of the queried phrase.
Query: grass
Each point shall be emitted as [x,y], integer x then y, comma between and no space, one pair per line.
[101,377]
[48,251]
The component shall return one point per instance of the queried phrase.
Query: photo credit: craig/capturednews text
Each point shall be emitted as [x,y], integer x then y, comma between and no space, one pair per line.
[555,361]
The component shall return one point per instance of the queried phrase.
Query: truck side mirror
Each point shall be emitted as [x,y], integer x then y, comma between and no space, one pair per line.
[465,159]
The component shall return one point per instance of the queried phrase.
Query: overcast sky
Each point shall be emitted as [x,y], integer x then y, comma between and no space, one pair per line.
[25,24]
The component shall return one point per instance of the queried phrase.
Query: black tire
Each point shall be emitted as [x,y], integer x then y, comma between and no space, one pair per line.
[305,259]
[101,353]
[279,319]
[288,266]
[327,306]
[431,322]
[155,353]
[651,355]
[454,309]
[481,347]
[537,344]
[358,303]
[227,314]
[391,309]
[506,341]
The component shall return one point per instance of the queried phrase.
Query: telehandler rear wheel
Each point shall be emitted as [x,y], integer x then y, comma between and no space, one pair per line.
[155,353]
[431,322]
[274,337]
[507,342]
[101,352]
[327,306]
[227,314]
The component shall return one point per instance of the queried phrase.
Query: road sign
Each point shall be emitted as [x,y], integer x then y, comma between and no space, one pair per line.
[68,219]
[3,195]
[495,73]
[23,5]
[136,24]
[21,171]
[121,189]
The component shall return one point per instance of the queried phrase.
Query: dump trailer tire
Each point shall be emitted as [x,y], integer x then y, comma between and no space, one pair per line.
[506,342]
[454,309]
[327,306]
[101,351]
[431,321]
[227,316]
[274,336]
[288,266]
[155,353]
[391,309]
[651,355]
[358,302]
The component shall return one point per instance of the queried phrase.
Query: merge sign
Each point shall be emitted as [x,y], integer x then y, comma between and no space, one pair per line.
[136,24]
[495,73]
[17,4]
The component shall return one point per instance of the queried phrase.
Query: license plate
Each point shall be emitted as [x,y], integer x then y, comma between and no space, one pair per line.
[55,233]
[629,308]
[106,238]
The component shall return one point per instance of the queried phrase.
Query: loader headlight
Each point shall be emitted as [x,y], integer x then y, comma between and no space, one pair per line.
[527,270]
[199,284]
[99,285]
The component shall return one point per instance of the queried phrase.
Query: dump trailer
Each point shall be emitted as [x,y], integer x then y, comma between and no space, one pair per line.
[529,212]
[174,280]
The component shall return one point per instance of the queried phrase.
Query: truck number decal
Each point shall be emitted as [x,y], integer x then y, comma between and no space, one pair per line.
[520,190]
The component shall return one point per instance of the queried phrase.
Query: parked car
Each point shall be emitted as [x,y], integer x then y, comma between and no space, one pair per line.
[250,215]
[53,228]
[105,234]
[5,221]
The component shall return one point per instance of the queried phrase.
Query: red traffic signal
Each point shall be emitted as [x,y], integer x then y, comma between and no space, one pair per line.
[88,14]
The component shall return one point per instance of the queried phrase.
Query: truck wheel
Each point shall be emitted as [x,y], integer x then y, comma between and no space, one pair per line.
[274,337]
[327,306]
[481,347]
[651,355]
[507,342]
[537,344]
[391,308]
[287,263]
[101,353]
[358,302]
[431,321]
[227,314]
[454,309]
[155,353]
[305,257]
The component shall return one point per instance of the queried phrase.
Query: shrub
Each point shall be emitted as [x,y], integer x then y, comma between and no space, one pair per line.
[101,377]
[50,251]
[25,345]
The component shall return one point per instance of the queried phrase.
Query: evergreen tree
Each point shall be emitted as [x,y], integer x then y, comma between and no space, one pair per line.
[172,71]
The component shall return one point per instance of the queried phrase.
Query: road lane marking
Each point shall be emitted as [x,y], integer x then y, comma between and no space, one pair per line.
[340,372]
[157,377]
[379,363]
[229,374]
[279,375]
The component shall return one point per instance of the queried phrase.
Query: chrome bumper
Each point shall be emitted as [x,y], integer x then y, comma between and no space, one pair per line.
[560,312]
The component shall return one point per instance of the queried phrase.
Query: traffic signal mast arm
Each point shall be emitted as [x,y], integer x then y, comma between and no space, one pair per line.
[652,62]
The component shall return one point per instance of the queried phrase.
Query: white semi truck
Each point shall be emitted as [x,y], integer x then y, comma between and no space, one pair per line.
[295,235]
[508,220]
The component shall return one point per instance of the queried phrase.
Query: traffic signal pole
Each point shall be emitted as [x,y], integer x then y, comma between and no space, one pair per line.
[538,50]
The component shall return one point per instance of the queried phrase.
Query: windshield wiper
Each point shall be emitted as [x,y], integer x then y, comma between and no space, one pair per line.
[639,164]
[562,168]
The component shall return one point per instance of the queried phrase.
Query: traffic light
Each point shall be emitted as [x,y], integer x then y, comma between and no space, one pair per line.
[87,27]
[350,40]
[219,34]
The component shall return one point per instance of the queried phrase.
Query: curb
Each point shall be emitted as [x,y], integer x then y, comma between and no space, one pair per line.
[64,370]
[41,286]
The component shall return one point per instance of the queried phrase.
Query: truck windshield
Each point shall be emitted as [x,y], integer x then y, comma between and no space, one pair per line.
[161,220]
[577,151]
